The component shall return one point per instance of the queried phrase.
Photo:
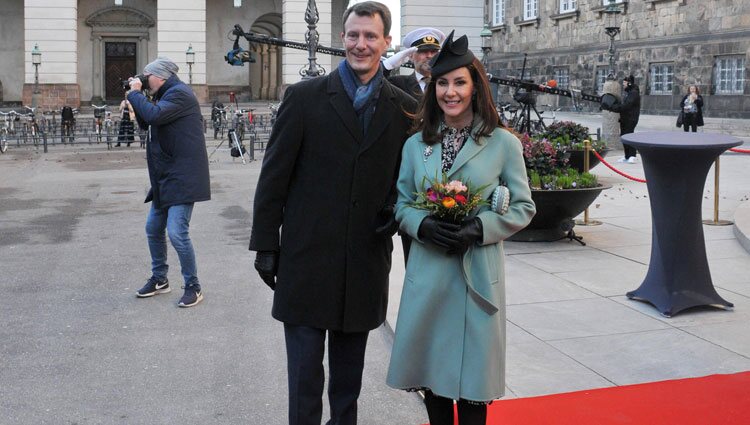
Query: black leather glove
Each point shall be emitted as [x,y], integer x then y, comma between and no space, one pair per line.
[438,232]
[388,218]
[267,265]
[471,232]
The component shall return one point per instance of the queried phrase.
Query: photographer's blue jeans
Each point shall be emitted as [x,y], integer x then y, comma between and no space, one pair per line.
[176,221]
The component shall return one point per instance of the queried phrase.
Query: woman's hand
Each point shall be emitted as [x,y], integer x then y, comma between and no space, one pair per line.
[440,233]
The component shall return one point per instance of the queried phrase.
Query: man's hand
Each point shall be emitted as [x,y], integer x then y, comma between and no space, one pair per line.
[390,225]
[267,265]
[135,84]
[398,59]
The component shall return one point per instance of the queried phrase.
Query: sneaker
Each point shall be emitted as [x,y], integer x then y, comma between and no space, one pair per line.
[191,297]
[623,159]
[631,160]
[153,287]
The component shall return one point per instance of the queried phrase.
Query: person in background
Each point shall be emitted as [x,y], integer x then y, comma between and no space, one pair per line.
[450,333]
[323,216]
[692,109]
[178,171]
[127,118]
[629,109]
[424,43]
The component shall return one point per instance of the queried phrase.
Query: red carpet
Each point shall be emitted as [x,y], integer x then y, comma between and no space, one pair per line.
[715,399]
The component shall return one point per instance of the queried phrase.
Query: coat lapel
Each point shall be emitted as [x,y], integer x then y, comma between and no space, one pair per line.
[343,106]
[382,117]
[471,149]
[433,163]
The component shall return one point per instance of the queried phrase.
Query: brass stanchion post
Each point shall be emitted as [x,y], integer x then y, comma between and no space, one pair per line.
[716,221]
[586,165]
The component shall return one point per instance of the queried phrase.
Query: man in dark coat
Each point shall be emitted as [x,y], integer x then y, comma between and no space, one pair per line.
[328,181]
[629,109]
[423,43]
[178,170]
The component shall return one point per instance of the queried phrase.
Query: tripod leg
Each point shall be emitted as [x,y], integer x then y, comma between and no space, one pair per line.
[238,146]
[216,148]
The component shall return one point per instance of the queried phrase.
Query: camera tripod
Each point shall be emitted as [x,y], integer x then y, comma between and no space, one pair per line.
[234,143]
[523,123]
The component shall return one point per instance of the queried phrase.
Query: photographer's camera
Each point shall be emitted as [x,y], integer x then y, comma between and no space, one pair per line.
[143,79]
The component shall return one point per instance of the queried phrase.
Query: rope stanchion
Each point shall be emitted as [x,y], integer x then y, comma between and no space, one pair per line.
[738,150]
[627,176]
[586,165]
[716,221]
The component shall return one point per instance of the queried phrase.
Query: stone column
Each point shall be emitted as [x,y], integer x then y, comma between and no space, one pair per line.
[294,28]
[97,70]
[53,25]
[611,120]
[273,69]
[181,23]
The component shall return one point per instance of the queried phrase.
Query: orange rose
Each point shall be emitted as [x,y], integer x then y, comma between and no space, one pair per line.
[449,202]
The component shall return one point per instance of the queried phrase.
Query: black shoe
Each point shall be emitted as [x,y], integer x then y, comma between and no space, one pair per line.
[153,287]
[192,296]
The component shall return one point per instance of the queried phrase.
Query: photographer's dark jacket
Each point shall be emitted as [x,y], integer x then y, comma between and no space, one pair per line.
[629,109]
[176,150]
[323,184]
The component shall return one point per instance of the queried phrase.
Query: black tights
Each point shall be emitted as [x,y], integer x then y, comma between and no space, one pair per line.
[440,411]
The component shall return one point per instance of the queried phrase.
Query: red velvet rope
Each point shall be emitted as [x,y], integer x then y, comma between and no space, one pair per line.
[738,150]
[616,170]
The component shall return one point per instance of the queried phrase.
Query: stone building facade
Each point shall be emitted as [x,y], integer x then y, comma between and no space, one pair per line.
[666,44]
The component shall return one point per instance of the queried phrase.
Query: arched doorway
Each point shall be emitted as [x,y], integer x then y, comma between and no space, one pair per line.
[265,73]
[119,48]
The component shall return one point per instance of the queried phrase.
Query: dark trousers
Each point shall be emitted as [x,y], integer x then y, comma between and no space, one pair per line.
[305,347]
[440,411]
[406,244]
[689,122]
[629,150]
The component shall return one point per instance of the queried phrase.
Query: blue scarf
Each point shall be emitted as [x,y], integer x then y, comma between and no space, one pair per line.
[364,96]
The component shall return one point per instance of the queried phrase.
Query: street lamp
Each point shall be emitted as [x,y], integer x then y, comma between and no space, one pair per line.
[612,30]
[190,60]
[486,36]
[36,60]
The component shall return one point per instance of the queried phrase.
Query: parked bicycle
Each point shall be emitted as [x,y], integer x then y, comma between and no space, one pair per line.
[103,125]
[218,119]
[8,129]
[33,127]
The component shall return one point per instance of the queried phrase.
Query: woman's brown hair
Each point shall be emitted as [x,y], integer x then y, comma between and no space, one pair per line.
[429,115]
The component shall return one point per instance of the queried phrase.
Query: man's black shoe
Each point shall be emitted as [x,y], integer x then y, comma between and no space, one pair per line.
[154,287]
[192,296]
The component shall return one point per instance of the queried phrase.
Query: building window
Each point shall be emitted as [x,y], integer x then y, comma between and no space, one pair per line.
[662,75]
[498,12]
[530,9]
[601,77]
[568,5]
[562,76]
[606,3]
[730,75]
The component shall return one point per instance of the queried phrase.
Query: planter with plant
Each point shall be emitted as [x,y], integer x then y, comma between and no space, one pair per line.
[559,191]
[571,136]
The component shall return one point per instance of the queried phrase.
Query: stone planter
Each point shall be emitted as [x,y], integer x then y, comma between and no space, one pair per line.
[555,210]
[576,159]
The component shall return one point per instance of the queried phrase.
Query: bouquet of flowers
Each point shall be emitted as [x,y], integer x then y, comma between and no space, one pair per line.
[450,201]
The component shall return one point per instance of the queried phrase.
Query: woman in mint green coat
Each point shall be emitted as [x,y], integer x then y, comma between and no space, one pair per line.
[450,334]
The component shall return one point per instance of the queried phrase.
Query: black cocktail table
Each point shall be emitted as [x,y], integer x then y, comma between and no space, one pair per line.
[676,164]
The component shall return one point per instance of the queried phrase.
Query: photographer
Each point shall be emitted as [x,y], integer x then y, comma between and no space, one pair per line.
[177,168]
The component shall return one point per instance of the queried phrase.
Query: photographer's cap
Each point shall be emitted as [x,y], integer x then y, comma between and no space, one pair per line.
[161,67]
[424,39]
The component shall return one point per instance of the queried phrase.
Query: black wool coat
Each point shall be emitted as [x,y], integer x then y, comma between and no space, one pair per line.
[407,83]
[176,150]
[629,109]
[698,115]
[324,183]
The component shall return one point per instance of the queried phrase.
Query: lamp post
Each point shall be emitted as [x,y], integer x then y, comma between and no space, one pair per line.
[190,60]
[36,60]
[486,36]
[611,30]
